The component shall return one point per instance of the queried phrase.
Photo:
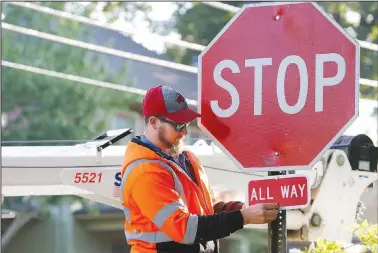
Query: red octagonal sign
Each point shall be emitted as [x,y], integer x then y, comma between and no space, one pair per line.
[278,85]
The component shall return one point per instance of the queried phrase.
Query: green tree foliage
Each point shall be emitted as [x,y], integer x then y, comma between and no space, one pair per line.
[200,23]
[364,28]
[366,232]
[325,246]
[368,235]
[47,108]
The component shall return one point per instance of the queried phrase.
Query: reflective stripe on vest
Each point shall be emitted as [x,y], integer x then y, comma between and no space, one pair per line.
[157,237]
[131,167]
[164,212]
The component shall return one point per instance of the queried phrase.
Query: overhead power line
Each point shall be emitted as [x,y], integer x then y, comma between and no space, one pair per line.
[368,82]
[93,22]
[119,53]
[79,79]
[222,6]
[101,49]
[185,44]
[72,77]
[230,8]
[181,43]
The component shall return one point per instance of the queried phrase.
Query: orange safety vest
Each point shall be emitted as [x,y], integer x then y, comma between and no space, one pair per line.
[160,201]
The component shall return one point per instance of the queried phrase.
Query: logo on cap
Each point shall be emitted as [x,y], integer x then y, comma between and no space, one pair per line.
[180,99]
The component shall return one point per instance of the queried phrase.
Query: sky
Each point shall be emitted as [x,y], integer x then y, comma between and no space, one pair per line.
[161,11]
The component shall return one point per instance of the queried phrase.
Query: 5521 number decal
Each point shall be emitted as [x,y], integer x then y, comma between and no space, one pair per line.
[87,177]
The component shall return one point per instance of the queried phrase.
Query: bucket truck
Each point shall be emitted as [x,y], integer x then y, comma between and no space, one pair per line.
[92,170]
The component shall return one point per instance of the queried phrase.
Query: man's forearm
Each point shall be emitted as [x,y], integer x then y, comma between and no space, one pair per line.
[219,225]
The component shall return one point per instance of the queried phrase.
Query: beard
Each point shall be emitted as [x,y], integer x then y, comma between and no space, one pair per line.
[173,149]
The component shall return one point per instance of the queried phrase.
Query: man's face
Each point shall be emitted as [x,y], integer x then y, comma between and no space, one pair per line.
[172,138]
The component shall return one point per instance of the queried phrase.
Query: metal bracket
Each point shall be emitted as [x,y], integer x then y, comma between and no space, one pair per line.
[118,135]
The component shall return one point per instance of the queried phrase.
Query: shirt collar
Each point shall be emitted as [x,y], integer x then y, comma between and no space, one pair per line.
[146,141]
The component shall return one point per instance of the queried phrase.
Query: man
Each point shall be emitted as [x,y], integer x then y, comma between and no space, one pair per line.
[168,204]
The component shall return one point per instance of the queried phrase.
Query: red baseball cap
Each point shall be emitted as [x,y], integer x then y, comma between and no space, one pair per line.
[169,103]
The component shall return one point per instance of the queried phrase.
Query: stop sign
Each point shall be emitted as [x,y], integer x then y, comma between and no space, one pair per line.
[278,85]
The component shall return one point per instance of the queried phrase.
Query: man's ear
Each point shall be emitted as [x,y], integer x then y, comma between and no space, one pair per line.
[153,122]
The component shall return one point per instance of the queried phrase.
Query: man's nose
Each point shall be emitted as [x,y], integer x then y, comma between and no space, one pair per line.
[184,131]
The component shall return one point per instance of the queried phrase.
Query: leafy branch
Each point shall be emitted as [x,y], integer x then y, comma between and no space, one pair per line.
[366,232]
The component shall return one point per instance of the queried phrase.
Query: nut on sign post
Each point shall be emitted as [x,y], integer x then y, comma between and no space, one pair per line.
[277,86]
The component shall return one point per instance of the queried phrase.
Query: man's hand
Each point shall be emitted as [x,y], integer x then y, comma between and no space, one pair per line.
[260,213]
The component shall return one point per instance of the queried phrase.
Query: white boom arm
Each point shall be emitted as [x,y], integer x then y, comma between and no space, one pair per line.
[336,192]
[95,174]
[92,171]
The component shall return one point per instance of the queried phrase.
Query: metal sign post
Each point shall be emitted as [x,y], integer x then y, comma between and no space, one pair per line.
[277,232]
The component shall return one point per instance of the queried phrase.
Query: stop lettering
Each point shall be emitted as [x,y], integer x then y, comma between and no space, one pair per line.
[256,84]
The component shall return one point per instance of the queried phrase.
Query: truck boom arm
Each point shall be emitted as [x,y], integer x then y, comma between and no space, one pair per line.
[92,170]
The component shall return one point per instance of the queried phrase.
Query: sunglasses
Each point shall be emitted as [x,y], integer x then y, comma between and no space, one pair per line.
[178,127]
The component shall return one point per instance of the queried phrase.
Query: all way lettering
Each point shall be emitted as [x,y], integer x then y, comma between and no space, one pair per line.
[290,191]
[287,191]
